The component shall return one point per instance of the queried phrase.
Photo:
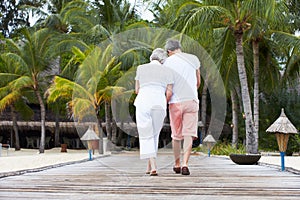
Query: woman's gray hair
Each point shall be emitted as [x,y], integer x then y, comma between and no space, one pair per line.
[159,54]
[172,45]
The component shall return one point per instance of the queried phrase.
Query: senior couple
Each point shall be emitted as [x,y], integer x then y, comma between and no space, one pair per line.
[172,77]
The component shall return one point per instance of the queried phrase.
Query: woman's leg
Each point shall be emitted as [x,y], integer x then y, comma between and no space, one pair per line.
[148,167]
[153,164]
[145,130]
[158,115]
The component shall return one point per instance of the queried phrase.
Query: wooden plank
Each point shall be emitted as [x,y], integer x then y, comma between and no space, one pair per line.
[121,176]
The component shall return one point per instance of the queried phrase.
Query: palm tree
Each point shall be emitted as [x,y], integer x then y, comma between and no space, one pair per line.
[234,16]
[92,23]
[240,17]
[72,20]
[31,56]
[166,13]
[225,56]
[171,14]
[115,15]
[12,96]
[92,87]
[263,24]
[288,53]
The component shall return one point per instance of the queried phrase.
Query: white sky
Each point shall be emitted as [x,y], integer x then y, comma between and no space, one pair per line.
[142,10]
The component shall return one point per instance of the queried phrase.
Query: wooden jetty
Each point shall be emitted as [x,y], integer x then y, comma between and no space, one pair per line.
[121,176]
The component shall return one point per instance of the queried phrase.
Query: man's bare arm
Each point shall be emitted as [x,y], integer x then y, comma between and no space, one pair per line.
[137,86]
[198,77]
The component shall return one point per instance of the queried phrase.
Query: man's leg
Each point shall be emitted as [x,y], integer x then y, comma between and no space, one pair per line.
[187,149]
[190,121]
[176,150]
[175,111]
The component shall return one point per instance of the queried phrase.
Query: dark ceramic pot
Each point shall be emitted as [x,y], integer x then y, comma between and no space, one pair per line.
[245,159]
[63,147]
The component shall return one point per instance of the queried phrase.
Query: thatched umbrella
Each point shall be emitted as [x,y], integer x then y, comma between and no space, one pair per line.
[282,127]
[210,141]
[90,136]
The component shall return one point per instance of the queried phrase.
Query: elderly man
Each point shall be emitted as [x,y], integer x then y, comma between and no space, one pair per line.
[184,103]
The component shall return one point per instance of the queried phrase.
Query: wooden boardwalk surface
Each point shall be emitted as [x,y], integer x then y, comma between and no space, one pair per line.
[121,176]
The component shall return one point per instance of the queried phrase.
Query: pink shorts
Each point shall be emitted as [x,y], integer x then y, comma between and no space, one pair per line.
[184,119]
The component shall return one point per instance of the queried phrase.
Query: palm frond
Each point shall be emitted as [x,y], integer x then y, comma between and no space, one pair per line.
[82,109]
[284,39]
[22,108]
[12,46]
[4,91]
[186,7]
[8,77]
[15,63]
[9,99]
[127,79]
[89,69]
[64,88]
[20,83]
[137,25]
[67,45]
[259,8]
[208,15]
[99,30]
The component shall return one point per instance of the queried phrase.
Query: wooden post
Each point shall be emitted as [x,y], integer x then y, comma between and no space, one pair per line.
[282,127]
[282,140]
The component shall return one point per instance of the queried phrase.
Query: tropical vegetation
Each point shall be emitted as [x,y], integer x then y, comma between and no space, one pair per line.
[64,56]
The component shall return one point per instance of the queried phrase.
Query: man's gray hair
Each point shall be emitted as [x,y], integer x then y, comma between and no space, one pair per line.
[172,45]
[159,54]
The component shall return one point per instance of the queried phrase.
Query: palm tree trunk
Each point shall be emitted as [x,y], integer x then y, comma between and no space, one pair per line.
[15,127]
[255,46]
[203,109]
[120,134]
[43,119]
[235,120]
[114,132]
[56,134]
[99,132]
[250,131]
[108,120]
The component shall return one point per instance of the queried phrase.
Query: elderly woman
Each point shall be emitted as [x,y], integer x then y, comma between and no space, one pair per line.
[153,87]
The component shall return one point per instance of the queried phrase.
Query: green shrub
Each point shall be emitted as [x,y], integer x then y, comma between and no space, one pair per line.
[227,149]
[293,145]
[222,148]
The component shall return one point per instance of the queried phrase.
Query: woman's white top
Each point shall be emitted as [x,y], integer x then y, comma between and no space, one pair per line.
[153,80]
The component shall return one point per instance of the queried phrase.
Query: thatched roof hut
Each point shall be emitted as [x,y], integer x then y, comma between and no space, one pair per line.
[282,125]
[66,127]
[90,135]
